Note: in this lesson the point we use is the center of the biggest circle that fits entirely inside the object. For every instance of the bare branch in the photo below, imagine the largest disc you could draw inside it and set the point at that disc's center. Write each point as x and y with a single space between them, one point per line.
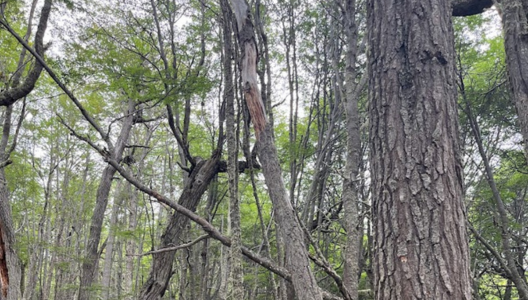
175 248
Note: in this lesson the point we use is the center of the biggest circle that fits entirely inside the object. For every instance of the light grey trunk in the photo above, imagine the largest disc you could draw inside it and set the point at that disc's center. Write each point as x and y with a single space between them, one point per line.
90 262
109 252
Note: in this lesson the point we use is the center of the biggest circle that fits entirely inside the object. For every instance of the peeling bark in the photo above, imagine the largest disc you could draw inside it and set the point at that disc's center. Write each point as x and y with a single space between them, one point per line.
420 240
296 254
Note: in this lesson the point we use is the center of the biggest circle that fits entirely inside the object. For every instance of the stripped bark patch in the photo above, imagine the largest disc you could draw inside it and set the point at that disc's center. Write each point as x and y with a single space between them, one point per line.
4 273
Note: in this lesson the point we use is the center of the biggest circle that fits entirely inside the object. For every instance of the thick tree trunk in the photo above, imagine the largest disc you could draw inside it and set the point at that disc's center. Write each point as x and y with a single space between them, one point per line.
297 261
420 240
514 15
89 265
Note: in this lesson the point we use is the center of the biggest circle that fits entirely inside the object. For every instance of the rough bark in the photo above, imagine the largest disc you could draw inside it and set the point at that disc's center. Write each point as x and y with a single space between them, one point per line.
89 265
420 240
514 15
296 254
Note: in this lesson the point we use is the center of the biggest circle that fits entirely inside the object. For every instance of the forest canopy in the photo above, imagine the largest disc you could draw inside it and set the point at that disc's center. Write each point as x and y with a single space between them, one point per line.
194 149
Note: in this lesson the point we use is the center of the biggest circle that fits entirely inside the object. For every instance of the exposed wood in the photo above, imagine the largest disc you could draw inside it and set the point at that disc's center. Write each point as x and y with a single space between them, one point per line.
296 254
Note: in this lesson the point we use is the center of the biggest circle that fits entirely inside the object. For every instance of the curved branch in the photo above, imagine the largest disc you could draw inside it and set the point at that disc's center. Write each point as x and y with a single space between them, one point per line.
463 8
10 96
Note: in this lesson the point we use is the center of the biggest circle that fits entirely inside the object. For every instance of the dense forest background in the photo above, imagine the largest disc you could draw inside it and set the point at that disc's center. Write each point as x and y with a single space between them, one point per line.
151 119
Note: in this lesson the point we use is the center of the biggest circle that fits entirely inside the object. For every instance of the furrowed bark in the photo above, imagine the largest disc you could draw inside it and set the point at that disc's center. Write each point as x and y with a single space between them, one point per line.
296 254
420 240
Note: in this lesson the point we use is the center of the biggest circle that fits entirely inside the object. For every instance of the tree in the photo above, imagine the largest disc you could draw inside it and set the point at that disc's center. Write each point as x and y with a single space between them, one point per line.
420 240
10 274
514 14
297 261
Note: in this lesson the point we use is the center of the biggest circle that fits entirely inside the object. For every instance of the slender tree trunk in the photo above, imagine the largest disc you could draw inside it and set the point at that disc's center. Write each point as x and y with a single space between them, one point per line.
297 261
514 15
89 265
109 252
236 271
420 240
353 158
161 269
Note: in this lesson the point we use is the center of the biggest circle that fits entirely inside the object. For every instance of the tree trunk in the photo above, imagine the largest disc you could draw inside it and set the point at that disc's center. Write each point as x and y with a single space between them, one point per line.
297 261
161 269
106 279
236 271
515 27
89 264
350 196
10 272
420 240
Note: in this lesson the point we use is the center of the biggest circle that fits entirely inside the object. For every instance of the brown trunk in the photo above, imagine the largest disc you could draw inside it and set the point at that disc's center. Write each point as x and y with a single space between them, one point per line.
515 27
420 240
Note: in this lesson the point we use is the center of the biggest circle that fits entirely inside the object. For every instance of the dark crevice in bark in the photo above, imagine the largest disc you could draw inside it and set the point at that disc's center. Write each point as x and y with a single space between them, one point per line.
463 8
